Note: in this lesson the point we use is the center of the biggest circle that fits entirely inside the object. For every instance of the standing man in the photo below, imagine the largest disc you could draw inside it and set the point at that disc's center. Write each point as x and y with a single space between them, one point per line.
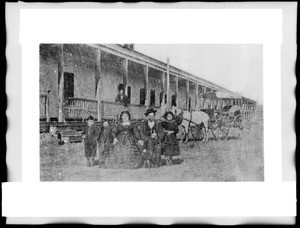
152 135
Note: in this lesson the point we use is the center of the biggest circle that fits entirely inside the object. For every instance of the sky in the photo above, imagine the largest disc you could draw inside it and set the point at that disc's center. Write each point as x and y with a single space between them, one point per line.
237 67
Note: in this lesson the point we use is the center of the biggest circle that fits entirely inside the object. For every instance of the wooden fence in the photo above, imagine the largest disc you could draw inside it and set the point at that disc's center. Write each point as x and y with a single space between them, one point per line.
79 108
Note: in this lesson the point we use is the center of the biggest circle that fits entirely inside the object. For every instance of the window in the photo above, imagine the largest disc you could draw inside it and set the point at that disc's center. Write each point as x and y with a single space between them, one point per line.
189 103
129 93
200 90
160 97
173 103
152 97
142 96
68 85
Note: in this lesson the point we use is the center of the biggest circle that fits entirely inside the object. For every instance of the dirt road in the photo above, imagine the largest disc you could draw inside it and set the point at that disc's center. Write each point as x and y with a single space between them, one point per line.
230 160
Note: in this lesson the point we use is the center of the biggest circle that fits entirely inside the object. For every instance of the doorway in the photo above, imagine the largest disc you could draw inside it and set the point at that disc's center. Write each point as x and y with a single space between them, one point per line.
68 85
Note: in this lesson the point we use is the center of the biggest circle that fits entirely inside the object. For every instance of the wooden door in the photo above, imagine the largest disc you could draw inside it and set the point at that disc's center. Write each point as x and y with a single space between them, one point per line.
68 85
129 93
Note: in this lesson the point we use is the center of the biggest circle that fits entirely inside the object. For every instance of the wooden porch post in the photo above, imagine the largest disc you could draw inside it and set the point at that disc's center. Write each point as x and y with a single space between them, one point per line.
187 93
197 97
176 89
99 85
61 117
163 87
168 84
48 107
204 89
147 98
125 76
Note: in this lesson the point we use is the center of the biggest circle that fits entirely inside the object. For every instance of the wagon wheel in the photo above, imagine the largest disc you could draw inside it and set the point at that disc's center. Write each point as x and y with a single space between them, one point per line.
238 121
246 127
198 132
220 128
242 124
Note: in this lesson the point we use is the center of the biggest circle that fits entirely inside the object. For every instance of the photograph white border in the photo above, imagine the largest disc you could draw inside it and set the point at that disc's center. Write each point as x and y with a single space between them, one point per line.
273 197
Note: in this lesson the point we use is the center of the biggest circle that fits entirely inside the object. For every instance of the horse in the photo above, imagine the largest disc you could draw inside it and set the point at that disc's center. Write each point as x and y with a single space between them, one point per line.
193 118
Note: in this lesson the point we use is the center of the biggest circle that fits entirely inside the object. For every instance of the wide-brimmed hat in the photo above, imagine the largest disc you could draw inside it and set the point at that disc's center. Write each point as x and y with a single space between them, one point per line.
150 110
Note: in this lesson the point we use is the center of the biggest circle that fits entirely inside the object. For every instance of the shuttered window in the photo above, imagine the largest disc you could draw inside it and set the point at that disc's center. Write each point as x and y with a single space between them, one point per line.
142 96
152 97
129 93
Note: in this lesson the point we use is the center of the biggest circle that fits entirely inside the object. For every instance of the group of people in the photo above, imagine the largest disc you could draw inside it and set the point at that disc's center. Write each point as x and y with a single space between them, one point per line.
131 145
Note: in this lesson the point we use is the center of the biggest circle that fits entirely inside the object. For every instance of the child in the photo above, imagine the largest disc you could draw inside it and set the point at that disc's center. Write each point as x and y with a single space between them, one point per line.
105 144
171 147
91 137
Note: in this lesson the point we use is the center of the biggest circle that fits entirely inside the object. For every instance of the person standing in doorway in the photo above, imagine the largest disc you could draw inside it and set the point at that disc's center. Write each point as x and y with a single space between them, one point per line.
121 97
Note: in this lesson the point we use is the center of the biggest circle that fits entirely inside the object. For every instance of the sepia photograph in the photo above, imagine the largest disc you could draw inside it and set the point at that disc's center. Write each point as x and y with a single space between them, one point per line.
151 112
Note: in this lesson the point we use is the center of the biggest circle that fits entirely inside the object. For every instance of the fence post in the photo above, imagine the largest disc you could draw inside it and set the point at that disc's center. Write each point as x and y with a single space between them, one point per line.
47 107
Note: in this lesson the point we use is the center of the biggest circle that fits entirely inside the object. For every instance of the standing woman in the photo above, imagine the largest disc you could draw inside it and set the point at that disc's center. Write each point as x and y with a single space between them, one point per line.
171 143
125 152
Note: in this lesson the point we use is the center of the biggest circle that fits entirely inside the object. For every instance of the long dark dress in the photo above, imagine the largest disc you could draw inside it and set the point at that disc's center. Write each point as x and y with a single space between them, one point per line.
171 147
92 134
125 154
106 144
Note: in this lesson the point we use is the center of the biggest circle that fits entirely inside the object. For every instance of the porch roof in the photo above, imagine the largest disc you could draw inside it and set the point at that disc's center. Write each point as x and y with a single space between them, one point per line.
221 95
141 58
228 95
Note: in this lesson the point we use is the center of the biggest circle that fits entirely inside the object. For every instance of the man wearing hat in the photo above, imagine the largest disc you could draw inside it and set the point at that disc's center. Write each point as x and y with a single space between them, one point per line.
152 135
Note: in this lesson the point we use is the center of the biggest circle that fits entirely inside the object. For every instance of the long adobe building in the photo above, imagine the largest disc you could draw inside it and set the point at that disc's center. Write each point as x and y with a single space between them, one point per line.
77 80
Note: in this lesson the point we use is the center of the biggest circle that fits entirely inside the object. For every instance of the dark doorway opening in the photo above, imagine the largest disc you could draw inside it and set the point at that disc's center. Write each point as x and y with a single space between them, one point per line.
68 85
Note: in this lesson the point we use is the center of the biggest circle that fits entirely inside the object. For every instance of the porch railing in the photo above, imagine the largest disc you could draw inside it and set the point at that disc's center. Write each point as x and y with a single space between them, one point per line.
80 108
248 112
43 104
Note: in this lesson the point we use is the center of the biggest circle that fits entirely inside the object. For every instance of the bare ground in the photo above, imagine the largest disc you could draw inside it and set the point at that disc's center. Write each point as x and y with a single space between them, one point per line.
235 159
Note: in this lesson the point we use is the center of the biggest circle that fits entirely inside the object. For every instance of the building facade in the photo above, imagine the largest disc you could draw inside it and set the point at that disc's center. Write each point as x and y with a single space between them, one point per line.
77 80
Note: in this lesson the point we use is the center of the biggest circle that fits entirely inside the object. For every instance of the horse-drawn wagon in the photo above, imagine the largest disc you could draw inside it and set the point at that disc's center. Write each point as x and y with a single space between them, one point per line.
224 112
227 118
227 114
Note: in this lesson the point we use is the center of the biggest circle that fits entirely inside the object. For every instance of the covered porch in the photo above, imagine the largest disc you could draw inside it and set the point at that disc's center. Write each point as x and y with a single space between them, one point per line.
87 79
